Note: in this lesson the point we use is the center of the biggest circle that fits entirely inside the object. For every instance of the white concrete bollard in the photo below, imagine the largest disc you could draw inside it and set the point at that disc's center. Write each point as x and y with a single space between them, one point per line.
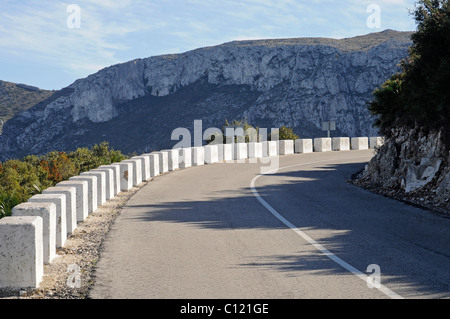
198 156
360 143
101 184
219 152
376 141
240 151
286 147
322 144
211 154
227 152
304 146
137 170
91 190
145 165
173 159
255 150
340 143
71 205
185 157
154 164
61 213
270 148
81 197
126 176
116 177
108 185
22 252
47 211
163 158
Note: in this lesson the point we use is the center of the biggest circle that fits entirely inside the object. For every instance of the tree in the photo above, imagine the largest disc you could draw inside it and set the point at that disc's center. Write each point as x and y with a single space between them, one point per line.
420 94
287 133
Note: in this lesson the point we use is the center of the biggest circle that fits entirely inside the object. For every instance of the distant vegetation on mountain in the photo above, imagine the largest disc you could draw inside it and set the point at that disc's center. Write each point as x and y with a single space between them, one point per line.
15 98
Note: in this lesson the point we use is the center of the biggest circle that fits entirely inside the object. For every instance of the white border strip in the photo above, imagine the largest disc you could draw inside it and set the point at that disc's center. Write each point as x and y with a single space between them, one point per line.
316 245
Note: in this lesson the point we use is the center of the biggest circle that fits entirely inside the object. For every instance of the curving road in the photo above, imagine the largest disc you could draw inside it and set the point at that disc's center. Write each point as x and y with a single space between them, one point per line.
224 231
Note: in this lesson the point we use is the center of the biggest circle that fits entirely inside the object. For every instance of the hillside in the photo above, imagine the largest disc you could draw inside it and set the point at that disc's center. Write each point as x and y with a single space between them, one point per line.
136 105
15 98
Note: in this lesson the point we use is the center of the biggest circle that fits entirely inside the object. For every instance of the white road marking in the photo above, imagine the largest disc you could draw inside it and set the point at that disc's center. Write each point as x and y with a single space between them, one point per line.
316 245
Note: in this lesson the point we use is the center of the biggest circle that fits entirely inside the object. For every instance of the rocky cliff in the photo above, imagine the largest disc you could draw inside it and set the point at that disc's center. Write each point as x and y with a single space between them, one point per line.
136 105
413 166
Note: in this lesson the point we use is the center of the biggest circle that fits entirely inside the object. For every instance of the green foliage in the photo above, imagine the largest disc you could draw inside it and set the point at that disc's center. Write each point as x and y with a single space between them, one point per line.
85 159
287 133
252 133
21 179
387 103
7 202
284 133
421 93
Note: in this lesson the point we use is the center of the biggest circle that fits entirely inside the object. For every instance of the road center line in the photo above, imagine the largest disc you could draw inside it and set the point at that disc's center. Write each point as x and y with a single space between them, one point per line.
303 235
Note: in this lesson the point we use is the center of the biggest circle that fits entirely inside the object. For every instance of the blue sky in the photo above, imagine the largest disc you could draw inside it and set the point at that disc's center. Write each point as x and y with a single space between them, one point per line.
39 45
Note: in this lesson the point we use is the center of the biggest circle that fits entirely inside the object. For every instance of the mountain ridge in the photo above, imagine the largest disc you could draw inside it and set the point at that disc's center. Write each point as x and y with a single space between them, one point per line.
16 97
274 84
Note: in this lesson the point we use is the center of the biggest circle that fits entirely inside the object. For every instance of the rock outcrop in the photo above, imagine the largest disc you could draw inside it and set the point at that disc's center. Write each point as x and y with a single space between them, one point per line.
293 82
412 165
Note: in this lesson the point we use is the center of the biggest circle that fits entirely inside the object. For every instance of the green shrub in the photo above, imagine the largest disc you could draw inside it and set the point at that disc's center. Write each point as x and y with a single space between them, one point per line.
21 179
284 133
7 202
420 94
287 133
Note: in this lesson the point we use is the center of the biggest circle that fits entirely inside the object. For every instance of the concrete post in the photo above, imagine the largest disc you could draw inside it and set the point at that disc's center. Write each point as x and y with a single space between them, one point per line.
211 154
22 251
198 156
163 158
173 159
286 147
240 151
360 143
145 164
116 176
47 211
125 176
137 170
322 144
101 184
340 143
81 197
376 141
61 213
255 150
71 204
304 146
228 152
185 157
91 190
270 148
154 164
109 182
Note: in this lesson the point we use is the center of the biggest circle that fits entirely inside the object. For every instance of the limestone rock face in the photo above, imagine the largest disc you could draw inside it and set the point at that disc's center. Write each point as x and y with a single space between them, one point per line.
293 82
413 162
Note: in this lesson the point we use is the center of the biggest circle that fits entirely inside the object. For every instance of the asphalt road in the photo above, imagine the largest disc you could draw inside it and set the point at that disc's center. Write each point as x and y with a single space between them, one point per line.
225 231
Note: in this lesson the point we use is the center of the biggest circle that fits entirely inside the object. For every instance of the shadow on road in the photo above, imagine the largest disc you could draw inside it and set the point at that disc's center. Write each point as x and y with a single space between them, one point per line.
411 246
